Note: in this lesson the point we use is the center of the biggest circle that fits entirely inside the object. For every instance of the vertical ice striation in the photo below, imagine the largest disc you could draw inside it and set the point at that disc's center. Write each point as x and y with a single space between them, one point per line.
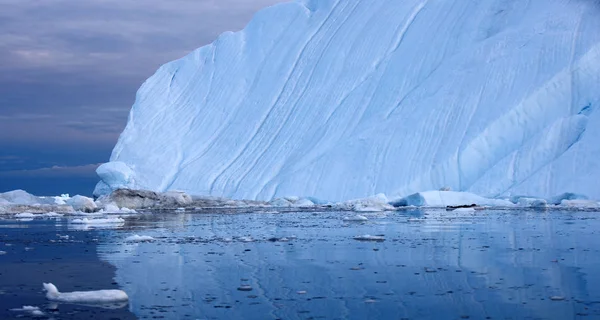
341 99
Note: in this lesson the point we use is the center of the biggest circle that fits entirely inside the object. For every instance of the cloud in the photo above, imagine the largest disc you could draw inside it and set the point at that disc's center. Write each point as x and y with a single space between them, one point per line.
83 171
70 70
112 37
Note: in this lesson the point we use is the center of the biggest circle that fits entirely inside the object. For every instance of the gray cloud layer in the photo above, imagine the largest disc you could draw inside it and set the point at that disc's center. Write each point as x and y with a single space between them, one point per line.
70 69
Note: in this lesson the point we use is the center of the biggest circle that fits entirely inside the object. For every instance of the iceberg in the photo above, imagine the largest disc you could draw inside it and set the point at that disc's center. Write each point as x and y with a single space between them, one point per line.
344 99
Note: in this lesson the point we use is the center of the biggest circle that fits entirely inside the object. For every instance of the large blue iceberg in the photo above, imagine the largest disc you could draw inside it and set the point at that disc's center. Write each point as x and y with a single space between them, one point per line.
342 99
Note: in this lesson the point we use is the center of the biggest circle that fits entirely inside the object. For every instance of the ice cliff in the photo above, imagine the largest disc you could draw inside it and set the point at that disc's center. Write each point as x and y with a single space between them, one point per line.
342 99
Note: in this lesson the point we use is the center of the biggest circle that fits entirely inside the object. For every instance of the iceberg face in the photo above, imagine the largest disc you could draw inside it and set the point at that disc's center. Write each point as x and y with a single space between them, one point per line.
344 99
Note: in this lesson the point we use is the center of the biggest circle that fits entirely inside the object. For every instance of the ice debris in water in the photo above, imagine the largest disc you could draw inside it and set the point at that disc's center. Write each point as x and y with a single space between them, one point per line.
24 215
464 210
99 296
29 309
246 239
368 237
356 218
2 253
138 238
113 208
116 220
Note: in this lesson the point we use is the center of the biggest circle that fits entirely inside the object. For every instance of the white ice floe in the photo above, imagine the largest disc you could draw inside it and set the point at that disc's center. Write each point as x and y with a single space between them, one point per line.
291 201
357 218
464 210
2 253
448 198
24 215
33 310
368 237
246 239
113 208
376 203
528 202
138 238
81 203
99 296
99 221
585 204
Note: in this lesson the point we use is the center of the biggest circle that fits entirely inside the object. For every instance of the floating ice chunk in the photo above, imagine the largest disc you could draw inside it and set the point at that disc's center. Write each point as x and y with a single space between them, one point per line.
138 238
113 208
24 215
81 203
532 202
356 218
29 309
52 215
556 200
2 253
448 198
464 210
376 203
116 220
100 296
303 203
280 203
368 237
580 203
246 239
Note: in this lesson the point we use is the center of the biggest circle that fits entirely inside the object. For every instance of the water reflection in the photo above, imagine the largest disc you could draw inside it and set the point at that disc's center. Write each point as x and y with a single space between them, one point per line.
435 264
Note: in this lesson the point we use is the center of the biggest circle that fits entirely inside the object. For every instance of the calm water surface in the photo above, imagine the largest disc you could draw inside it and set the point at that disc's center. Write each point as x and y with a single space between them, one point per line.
431 265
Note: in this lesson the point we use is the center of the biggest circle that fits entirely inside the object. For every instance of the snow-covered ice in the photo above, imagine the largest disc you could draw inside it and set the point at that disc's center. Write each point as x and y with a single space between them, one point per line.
99 296
345 99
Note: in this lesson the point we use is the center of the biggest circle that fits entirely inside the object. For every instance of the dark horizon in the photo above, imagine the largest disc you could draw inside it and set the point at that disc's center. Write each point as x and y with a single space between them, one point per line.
70 72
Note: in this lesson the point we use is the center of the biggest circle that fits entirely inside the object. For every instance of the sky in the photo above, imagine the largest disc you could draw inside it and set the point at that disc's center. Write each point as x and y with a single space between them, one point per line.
69 71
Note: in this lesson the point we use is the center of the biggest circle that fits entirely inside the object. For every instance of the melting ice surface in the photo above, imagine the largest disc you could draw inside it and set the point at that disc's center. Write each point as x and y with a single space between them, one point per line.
412 264
345 99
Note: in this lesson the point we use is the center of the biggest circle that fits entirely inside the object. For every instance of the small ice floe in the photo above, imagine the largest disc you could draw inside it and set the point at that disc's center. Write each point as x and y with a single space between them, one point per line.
368 237
52 215
180 210
464 210
580 204
32 310
25 215
100 221
2 253
113 208
244 288
99 296
357 218
557 298
246 239
138 238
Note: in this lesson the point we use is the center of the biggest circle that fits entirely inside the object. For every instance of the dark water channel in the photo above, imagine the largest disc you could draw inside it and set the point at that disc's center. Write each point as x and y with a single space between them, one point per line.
307 265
